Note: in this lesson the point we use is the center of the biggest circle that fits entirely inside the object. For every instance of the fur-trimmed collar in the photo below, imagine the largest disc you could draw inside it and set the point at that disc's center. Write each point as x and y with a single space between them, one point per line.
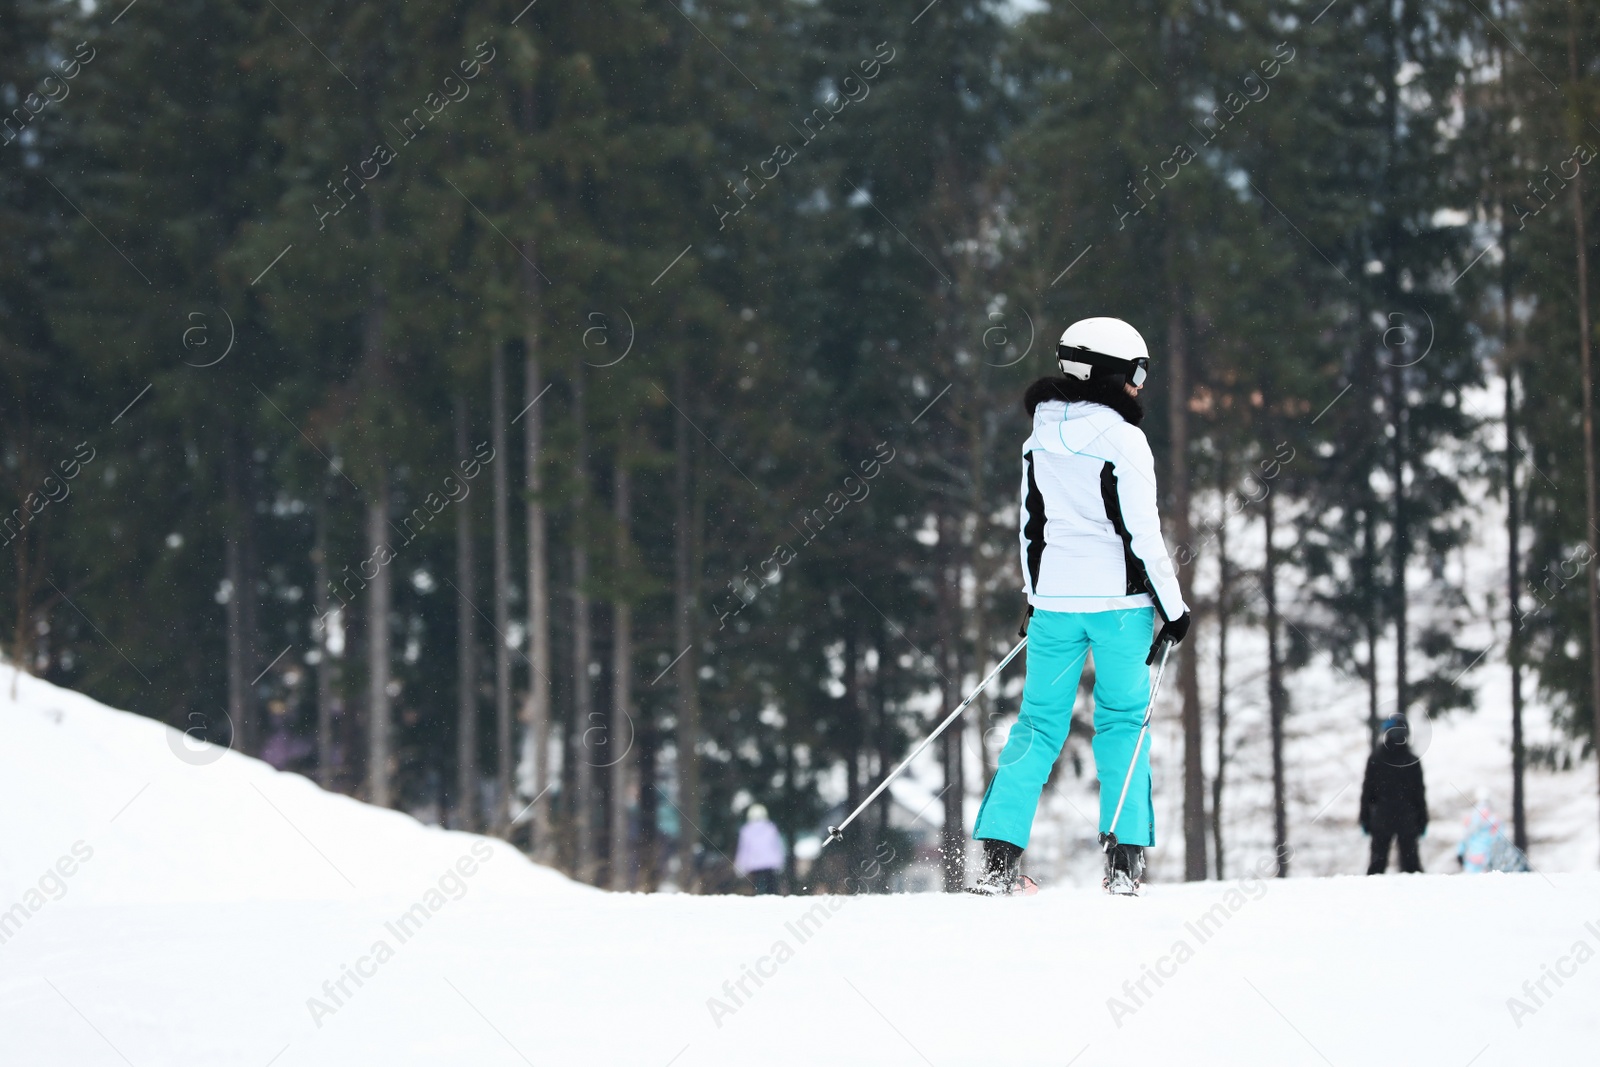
1105 391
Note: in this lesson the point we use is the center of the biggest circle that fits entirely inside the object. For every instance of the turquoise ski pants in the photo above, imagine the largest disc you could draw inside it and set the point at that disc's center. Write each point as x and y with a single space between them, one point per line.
1058 643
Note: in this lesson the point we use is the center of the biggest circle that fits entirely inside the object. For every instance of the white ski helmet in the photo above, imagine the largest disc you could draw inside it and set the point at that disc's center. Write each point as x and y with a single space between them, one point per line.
1102 347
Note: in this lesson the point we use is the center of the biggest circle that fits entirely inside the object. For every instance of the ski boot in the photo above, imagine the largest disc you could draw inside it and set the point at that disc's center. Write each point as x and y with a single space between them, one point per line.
1124 867
1002 872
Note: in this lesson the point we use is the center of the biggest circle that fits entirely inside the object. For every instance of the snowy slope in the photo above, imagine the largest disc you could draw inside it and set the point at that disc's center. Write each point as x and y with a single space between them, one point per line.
229 915
171 820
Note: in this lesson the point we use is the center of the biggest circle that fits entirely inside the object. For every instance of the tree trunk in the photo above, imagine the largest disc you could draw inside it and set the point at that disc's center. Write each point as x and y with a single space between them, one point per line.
1194 780
1592 512
320 631
855 735
1224 608
375 382
466 648
649 846
880 725
251 728
22 633
1275 693
982 644
1402 535
537 708
953 837
23 630
684 555
378 601
1401 546
1519 821
584 751
790 804
233 569
538 703
623 731
503 811
1369 568
1367 386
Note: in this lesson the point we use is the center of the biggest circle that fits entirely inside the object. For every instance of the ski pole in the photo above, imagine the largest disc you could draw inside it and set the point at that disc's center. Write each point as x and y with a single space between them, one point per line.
836 833
1108 840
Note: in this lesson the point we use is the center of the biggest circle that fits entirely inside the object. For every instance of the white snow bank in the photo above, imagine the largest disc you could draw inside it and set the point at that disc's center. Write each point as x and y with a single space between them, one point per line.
137 812
1403 971
232 916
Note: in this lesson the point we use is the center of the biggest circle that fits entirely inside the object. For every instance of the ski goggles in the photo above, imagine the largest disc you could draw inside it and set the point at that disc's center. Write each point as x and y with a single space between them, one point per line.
1084 363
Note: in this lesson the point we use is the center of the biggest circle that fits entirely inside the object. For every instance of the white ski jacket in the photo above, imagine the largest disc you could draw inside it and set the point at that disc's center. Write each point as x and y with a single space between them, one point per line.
1091 535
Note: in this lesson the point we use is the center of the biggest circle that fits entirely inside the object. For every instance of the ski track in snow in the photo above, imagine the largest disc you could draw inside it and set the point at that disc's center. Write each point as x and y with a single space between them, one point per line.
221 905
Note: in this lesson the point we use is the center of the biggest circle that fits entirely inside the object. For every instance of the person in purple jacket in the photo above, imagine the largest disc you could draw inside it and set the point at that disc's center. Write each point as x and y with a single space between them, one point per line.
760 853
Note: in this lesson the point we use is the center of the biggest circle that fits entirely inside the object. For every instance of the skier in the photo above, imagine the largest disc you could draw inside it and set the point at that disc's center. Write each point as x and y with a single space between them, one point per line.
1096 572
760 853
1394 801
1483 844
1478 841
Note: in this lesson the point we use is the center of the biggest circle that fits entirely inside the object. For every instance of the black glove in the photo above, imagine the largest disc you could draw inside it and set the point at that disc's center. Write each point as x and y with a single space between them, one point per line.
1171 633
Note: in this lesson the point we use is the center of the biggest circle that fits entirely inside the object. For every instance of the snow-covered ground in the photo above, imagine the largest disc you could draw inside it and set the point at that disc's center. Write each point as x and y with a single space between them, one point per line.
166 908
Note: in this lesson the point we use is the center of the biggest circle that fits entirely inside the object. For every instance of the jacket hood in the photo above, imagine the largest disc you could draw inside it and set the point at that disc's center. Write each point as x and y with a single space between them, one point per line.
1108 392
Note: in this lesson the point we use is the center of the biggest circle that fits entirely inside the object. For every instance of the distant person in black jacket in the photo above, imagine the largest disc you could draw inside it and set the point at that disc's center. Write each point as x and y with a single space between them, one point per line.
1394 804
